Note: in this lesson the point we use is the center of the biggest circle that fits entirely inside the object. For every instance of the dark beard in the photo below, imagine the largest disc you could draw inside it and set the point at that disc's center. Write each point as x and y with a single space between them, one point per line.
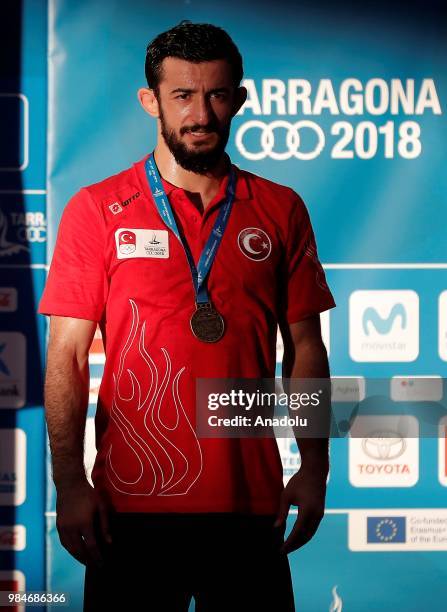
198 162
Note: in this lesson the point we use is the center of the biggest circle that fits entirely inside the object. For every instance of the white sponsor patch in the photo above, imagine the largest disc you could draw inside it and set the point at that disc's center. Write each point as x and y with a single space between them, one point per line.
132 242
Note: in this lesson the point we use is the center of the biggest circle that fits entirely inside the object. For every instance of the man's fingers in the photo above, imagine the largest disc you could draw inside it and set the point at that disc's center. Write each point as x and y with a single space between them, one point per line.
303 530
91 546
74 545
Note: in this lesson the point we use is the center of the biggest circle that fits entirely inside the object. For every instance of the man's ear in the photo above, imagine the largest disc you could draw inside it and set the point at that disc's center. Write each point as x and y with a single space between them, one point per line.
148 101
240 96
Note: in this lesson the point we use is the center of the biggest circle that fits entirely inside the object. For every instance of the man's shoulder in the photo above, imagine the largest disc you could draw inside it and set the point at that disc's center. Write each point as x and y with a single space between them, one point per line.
272 192
119 185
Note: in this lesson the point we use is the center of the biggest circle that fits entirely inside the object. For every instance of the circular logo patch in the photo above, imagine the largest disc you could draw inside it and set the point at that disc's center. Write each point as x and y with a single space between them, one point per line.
254 243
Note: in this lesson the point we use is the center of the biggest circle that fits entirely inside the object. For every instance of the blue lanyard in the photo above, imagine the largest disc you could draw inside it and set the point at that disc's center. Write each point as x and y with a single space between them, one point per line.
199 273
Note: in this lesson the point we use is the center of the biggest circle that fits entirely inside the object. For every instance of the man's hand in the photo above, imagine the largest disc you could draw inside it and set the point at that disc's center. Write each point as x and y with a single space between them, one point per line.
82 522
307 490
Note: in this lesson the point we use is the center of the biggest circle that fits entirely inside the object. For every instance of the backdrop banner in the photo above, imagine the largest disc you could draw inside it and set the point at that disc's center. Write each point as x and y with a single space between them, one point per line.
345 105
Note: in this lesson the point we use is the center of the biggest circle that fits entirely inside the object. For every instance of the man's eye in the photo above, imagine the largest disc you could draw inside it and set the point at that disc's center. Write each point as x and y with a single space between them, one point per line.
182 96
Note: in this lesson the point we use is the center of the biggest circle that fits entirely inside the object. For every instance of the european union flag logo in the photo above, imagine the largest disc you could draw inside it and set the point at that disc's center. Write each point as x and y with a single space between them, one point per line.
386 529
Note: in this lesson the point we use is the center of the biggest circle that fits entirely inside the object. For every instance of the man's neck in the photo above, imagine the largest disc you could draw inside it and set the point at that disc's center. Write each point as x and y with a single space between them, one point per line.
201 188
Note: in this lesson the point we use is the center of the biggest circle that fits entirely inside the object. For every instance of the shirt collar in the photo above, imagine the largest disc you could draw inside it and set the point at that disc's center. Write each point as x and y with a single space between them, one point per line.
242 187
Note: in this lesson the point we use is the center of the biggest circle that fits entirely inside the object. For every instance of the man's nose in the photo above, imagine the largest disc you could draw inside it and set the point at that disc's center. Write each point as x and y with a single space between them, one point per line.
202 111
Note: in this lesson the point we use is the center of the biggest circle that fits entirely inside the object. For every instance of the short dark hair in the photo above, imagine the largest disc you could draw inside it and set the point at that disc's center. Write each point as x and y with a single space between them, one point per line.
193 42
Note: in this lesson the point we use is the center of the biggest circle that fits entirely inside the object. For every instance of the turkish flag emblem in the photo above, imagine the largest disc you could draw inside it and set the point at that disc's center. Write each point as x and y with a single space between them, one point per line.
127 242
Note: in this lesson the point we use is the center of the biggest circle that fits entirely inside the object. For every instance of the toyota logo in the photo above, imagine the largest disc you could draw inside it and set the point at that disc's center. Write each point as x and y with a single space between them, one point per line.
267 139
384 445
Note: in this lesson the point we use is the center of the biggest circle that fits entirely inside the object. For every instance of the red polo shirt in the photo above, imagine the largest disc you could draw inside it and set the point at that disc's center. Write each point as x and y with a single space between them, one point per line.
116 262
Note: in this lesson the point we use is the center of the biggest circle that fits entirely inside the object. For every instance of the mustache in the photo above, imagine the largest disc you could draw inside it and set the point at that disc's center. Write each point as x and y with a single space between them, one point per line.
206 129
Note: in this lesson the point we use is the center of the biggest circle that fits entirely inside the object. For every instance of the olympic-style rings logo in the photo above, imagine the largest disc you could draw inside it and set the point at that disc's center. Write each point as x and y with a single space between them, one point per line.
293 139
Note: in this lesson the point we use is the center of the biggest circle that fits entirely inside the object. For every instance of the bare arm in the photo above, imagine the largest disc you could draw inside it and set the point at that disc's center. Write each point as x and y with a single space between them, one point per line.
79 509
66 396
305 356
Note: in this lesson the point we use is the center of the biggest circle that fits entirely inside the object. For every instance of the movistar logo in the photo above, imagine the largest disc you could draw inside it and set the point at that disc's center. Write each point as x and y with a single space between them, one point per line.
383 324
158 192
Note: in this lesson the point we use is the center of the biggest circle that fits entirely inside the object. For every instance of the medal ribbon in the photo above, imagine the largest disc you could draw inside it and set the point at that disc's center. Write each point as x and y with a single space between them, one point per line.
199 273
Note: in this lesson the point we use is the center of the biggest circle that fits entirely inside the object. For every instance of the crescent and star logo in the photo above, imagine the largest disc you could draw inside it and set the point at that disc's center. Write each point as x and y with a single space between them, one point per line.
127 242
254 243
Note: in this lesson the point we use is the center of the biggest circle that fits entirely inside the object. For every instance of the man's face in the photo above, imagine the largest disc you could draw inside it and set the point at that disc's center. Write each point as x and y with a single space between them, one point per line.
196 105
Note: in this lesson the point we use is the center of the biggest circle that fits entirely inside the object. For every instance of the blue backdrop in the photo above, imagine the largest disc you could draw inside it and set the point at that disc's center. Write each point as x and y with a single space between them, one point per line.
346 105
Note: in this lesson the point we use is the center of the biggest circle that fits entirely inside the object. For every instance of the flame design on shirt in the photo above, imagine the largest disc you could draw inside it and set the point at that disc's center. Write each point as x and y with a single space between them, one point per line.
158 452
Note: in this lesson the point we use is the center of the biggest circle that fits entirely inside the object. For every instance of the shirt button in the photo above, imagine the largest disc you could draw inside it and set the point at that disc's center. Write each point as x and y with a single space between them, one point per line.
194 218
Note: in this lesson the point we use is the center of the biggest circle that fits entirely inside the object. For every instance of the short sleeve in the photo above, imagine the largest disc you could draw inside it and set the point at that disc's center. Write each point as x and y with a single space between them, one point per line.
77 282
307 290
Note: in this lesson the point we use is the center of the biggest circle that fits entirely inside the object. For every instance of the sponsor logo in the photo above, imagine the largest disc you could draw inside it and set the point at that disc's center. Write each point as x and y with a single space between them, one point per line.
254 243
115 208
416 388
348 389
384 446
384 325
397 529
384 457
118 206
386 529
134 242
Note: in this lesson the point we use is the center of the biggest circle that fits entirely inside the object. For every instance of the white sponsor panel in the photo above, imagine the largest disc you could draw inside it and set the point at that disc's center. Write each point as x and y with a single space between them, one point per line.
12 369
12 467
384 325
416 388
384 451
12 537
137 242
397 530
348 388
